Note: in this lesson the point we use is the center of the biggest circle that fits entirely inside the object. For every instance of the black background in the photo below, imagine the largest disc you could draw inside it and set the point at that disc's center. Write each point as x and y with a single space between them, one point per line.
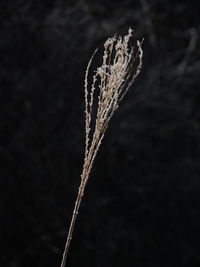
142 203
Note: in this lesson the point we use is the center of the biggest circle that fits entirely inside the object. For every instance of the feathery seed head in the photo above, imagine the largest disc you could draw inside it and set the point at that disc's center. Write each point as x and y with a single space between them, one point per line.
114 77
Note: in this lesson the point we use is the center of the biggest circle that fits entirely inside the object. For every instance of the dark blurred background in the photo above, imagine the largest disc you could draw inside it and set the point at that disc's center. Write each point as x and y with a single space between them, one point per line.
142 203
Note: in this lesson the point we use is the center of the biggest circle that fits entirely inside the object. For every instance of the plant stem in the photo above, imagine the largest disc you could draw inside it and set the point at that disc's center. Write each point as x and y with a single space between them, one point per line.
73 220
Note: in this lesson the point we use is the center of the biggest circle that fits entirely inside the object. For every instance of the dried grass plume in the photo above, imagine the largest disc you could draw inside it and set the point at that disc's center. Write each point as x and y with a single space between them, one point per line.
109 85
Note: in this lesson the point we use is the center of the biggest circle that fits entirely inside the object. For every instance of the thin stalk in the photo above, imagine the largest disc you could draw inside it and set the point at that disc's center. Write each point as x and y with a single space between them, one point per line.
73 220
84 177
